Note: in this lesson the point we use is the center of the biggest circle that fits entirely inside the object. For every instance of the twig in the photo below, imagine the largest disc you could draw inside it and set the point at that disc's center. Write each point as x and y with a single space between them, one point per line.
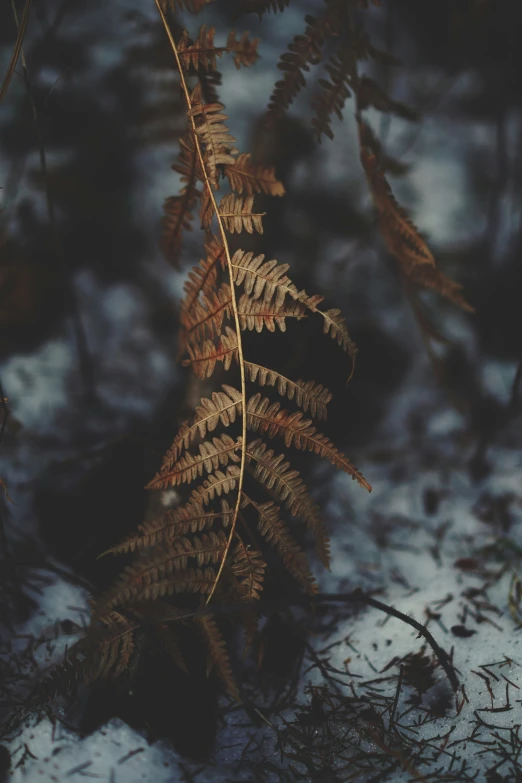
355 597
16 50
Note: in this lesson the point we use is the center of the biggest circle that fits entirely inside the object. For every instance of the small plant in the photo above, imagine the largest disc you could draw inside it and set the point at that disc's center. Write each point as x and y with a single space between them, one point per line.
214 550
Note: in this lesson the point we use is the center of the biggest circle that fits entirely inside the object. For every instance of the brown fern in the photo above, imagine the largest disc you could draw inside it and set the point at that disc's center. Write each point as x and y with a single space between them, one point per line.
201 54
237 214
245 177
401 236
209 546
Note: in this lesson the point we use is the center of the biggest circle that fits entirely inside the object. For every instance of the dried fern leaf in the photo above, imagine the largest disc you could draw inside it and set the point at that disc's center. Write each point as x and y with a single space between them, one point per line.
201 53
335 92
400 234
190 580
222 408
244 177
212 455
335 325
202 278
371 94
304 51
244 49
260 278
178 209
190 518
308 395
237 214
432 278
217 484
165 571
213 133
289 488
106 651
264 416
248 567
218 653
258 315
277 535
113 651
203 357
268 280
205 317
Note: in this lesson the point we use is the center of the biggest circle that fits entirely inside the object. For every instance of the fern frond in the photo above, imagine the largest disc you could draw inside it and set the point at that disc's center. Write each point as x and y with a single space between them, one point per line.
205 317
308 395
222 408
201 53
165 571
216 484
218 653
400 234
244 49
212 455
335 92
268 280
258 314
248 567
277 535
268 417
202 279
304 51
237 214
114 649
273 472
335 325
429 277
371 94
203 356
216 138
244 177
172 524
178 209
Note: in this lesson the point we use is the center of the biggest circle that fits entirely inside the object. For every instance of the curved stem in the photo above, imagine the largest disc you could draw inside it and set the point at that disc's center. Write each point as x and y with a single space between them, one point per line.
241 358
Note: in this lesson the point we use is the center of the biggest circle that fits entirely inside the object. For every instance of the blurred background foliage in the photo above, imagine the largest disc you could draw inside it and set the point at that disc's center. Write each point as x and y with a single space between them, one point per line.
99 106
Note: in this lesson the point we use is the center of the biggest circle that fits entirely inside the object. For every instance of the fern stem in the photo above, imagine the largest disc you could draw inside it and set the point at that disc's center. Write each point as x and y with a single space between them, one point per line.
241 358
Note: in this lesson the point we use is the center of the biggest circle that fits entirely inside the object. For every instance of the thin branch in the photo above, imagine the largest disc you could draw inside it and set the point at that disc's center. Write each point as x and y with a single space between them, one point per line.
355 597
16 51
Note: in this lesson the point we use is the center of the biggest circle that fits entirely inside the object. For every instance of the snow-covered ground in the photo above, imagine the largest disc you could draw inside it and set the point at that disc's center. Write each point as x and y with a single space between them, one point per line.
429 540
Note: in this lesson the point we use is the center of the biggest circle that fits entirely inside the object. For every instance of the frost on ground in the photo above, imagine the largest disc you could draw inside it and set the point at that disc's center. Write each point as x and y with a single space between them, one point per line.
372 701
